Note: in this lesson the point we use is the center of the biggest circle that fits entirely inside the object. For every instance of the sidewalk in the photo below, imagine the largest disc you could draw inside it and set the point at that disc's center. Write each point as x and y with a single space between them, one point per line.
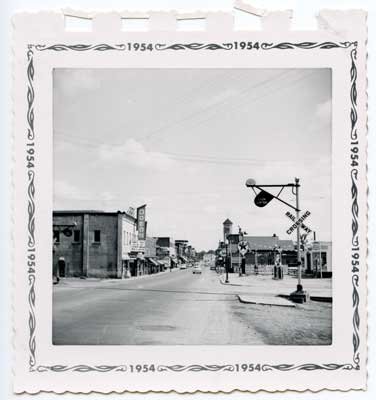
256 285
71 282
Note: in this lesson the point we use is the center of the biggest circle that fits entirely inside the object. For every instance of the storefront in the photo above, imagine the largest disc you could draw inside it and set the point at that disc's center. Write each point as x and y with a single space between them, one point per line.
152 265
182 260
319 259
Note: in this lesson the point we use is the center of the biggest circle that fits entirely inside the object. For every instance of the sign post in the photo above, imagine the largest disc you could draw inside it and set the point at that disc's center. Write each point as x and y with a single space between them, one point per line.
243 248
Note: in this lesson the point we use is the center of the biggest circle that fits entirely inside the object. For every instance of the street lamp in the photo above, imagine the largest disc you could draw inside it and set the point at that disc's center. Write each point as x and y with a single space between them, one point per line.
278 273
226 260
263 197
67 230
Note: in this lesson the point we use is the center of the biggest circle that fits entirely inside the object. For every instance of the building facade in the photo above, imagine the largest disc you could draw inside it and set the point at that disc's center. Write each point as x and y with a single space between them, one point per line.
318 259
100 244
166 251
152 266
92 249
263 251
181 247
209 259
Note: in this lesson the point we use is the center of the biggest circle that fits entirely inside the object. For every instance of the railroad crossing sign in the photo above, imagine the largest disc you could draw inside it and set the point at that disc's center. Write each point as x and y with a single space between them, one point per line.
298 222
243 247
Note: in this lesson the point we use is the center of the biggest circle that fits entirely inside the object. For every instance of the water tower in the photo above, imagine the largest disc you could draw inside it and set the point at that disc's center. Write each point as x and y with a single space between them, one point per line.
227 229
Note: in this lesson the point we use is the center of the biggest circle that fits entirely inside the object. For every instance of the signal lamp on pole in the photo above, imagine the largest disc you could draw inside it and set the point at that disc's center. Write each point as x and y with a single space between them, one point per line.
262 198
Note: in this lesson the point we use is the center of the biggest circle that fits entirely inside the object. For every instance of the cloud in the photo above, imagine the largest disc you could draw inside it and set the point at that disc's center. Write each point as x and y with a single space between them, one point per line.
67 195
134 153
65 190
107 196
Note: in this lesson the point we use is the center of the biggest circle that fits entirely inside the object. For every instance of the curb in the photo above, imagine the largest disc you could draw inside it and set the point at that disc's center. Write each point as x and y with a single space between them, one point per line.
322 299
293 305
65 281
131 278
222 281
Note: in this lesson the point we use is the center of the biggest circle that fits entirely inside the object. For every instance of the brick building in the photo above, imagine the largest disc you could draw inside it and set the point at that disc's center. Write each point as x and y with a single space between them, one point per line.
166 251
152 265
100 244
181 247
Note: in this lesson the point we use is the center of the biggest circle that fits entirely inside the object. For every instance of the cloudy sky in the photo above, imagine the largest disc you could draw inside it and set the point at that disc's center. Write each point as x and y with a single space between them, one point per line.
184 141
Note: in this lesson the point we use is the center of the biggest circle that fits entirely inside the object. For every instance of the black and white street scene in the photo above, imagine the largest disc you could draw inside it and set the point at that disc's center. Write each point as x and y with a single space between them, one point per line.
192 207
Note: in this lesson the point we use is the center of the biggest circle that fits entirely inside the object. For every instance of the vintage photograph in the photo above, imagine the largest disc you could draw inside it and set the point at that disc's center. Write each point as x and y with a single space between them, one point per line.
192 206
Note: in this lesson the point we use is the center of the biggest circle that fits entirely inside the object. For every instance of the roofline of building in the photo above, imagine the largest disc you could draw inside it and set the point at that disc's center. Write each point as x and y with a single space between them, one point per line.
92 212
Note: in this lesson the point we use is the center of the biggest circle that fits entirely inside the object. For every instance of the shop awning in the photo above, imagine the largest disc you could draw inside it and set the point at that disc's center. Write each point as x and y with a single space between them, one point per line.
154 262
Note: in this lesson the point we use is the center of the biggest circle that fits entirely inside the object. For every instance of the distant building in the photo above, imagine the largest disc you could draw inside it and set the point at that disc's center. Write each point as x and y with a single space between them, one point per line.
166 251
262 251
152 265
191 252
209 258
182 250
318 259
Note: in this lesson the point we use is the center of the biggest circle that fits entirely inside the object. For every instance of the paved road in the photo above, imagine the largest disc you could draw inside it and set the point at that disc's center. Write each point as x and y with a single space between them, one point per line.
179 308
171 308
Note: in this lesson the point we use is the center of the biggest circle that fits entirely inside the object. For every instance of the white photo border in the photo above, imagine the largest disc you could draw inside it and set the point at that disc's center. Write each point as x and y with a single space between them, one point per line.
31 156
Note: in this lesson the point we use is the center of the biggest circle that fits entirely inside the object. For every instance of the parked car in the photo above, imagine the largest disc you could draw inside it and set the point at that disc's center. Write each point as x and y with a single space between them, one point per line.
183 266
197 269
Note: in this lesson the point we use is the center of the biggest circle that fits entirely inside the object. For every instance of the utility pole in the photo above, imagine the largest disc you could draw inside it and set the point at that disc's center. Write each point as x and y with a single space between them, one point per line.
297 210
261 200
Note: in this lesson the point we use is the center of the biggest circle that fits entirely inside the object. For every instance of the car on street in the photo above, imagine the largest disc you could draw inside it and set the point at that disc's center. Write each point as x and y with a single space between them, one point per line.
197 269
183 266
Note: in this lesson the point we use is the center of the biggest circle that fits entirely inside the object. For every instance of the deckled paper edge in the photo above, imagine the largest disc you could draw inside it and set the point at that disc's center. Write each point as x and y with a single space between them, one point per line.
176 14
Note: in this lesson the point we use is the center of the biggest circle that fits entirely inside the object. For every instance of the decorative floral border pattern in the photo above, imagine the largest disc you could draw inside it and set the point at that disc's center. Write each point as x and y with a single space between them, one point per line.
195 368
31 244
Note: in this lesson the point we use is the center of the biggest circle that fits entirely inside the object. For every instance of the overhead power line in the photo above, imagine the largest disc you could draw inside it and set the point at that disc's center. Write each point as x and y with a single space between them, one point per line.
196 158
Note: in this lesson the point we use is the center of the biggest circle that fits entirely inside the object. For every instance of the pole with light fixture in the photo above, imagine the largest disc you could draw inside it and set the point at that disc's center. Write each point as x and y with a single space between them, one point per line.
226 259
263 197
67 230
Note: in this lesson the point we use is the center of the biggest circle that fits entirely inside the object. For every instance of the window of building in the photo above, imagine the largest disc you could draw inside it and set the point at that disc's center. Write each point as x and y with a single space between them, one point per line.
97 236
323 259
76 235
56 237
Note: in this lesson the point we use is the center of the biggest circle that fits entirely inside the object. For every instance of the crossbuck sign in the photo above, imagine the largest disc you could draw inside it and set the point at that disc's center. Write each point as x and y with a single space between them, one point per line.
243 247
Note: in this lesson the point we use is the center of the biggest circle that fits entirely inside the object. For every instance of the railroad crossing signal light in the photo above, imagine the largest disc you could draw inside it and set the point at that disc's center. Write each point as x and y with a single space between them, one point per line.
250 182
263 198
